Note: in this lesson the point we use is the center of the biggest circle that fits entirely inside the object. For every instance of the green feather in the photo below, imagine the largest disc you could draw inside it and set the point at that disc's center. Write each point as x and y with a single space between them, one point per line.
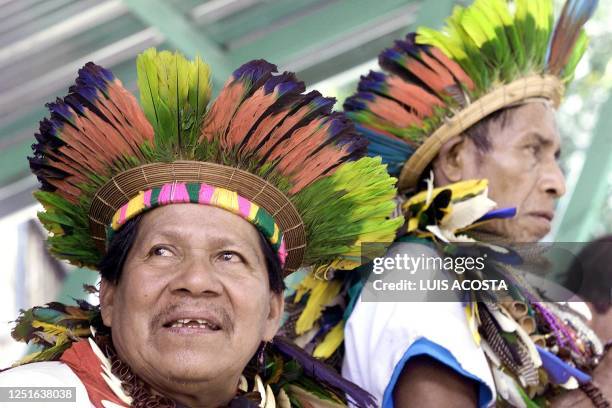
498 18
367 187
526 26
174 93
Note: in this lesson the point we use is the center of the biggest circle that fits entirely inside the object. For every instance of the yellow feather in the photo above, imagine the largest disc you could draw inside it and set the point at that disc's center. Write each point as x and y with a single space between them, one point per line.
305 286
321 295
331 342
49 328
62 333
459 191
471 312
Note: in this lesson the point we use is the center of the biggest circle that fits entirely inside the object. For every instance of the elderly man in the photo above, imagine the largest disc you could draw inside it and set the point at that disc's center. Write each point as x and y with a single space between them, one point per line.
191 294
460 113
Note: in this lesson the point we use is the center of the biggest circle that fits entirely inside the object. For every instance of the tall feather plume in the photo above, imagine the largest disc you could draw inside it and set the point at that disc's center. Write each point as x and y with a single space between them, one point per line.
568 38
261 122
261 133
174 93
323 144
364 189
461 44
267 102
413 63
498 19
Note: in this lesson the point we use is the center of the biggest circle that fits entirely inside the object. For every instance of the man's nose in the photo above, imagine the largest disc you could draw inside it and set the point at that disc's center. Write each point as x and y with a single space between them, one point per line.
553 179
196 276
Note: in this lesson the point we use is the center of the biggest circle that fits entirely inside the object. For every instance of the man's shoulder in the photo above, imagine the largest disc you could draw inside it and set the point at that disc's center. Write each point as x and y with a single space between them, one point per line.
45 374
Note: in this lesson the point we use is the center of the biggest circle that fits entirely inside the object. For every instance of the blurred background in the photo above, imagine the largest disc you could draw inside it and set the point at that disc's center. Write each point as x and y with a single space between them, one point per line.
328 43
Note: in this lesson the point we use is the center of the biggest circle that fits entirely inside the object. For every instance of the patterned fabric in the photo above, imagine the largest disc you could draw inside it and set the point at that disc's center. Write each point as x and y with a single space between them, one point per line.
200 193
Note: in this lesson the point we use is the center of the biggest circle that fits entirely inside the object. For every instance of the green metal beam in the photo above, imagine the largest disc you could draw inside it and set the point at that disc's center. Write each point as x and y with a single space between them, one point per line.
13 163
425 15
434 16
326 24
183 35
262 15
583 209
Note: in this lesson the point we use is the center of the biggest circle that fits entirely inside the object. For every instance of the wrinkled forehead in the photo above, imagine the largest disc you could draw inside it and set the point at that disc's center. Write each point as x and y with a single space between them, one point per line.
535 118
198 223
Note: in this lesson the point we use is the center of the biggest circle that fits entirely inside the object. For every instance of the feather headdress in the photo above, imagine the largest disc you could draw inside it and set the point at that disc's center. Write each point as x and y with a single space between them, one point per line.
490 55
263 149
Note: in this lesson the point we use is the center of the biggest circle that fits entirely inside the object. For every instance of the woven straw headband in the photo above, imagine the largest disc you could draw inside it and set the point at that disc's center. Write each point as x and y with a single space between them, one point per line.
242 193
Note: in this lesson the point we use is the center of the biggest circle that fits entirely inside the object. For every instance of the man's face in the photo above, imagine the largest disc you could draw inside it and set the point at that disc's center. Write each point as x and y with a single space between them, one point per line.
522 170
193 302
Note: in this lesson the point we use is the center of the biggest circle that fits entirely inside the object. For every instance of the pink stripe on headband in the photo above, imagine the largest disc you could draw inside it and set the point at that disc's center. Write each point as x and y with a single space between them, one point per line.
206 193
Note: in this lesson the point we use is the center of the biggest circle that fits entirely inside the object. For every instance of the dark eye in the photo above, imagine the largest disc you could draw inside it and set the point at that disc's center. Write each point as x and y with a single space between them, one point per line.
230 256
534 149
161 251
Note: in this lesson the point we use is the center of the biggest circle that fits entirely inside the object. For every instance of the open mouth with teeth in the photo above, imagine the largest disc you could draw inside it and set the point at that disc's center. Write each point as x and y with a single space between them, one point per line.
192 324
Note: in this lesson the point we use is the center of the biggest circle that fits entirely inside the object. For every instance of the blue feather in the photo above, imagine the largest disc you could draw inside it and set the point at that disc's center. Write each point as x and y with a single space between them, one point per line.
286 83
558 370
582 10
254 71
321 105
500 213
389 57
357 102
92 75
394 153
373 82
408 45
60 112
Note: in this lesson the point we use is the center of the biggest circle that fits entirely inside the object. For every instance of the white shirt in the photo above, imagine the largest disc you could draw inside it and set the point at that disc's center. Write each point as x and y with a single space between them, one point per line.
44 374
381 336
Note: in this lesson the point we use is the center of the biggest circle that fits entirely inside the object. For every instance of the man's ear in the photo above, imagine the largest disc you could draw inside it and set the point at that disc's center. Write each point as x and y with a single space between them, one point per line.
448 166
107 298
277 305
